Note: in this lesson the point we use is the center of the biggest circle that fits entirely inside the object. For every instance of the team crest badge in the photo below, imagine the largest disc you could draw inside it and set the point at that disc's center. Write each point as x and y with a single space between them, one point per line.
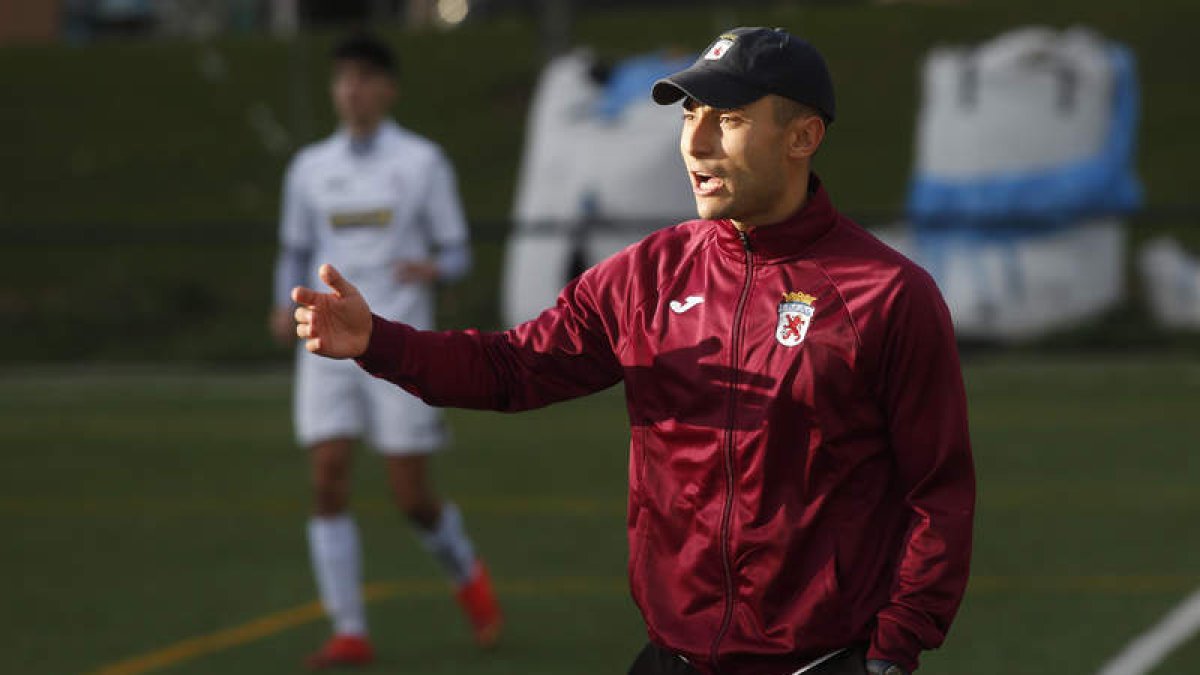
795 313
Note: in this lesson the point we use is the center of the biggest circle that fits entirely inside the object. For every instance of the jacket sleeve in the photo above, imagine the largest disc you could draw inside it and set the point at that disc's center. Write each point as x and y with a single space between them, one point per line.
565 352
446 222
296 237
925 402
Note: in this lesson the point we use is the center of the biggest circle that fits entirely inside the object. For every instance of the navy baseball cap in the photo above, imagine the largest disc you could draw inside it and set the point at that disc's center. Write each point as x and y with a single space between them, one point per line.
744 64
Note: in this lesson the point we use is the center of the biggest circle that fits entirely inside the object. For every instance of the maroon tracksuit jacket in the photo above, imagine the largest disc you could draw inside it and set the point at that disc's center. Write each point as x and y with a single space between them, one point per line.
800 473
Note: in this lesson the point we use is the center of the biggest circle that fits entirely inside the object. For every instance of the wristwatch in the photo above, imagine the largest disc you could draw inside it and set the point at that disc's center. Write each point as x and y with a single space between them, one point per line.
878 667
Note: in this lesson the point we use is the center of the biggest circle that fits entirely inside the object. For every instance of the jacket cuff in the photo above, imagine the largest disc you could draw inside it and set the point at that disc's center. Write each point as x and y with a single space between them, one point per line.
892 642
384 347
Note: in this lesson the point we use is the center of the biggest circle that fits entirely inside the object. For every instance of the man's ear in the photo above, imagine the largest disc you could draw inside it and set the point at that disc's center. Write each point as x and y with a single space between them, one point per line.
805 134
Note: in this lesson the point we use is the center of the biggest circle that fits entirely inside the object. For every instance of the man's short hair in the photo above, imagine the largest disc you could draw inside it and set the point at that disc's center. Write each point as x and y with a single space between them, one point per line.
367 49
787 110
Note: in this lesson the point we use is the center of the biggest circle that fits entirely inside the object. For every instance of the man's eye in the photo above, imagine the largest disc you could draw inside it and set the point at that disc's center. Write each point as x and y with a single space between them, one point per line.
729 120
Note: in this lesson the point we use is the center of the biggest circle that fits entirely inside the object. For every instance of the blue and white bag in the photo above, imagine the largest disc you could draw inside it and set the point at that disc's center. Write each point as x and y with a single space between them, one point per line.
1032 129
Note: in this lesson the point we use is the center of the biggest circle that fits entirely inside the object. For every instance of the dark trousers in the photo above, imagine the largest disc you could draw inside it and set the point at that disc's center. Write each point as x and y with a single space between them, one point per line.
654 660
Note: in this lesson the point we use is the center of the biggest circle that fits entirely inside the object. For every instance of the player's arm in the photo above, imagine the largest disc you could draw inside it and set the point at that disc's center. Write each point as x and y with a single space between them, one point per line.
290 267
294 258
926 406
443 215
564 353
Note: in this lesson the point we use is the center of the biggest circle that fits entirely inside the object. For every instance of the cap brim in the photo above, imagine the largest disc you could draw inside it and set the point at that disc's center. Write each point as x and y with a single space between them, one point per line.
706 85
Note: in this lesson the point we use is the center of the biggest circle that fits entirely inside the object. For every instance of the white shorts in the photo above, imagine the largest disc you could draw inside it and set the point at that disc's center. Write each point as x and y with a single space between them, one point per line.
337 399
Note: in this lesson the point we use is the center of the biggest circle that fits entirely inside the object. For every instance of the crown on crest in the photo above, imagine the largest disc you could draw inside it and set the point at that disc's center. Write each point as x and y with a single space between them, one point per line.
799 296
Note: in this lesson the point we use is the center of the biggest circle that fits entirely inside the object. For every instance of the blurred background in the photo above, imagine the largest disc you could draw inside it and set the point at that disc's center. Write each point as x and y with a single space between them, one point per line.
1038 158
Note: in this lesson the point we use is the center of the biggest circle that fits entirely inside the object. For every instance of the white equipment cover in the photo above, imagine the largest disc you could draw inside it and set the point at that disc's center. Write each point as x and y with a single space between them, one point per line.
1024 168
1013 290
1035 125
590 183
1172 282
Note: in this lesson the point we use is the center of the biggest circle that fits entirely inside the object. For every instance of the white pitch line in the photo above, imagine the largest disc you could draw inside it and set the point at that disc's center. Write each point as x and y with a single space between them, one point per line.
1152 647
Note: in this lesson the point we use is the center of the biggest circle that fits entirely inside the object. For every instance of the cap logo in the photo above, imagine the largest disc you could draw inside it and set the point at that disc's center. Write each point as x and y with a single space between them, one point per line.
718 49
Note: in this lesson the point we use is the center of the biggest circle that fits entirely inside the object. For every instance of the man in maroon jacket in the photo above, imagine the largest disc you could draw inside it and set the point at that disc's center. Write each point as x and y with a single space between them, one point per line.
801 484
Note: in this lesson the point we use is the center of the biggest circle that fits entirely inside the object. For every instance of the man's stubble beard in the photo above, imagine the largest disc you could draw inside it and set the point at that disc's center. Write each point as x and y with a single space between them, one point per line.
740 208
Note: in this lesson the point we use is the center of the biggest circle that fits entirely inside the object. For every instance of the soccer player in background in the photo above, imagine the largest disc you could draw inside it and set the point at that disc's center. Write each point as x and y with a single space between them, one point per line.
382 202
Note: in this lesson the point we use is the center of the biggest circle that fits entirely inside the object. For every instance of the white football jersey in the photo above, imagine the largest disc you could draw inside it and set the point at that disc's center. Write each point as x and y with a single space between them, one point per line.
367 206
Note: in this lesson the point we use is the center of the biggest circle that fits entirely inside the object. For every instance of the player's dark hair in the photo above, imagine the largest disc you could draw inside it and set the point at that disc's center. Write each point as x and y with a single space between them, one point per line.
368 49
787 110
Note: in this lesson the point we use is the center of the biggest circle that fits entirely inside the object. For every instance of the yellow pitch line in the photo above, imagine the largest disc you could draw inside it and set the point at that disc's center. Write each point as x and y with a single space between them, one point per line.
201 645
266 626
257 629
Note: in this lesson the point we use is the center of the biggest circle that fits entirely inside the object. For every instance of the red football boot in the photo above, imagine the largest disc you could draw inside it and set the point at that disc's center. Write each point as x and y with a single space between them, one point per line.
342 650
479 603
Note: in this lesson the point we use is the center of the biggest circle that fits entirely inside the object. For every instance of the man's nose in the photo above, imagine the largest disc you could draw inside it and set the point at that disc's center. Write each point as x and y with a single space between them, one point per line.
697 139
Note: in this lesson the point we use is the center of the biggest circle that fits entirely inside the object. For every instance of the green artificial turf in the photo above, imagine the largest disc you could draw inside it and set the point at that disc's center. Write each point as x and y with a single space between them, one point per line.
145 507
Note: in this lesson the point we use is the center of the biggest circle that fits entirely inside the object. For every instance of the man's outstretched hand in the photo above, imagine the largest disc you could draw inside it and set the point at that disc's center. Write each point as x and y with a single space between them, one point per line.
337 324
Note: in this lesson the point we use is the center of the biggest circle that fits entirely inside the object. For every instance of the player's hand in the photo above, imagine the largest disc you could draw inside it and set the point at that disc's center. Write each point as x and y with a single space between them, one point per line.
417 271
282 325
337 324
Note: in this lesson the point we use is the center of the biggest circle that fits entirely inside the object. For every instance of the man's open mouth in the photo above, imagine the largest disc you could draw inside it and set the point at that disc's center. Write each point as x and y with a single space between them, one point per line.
706 183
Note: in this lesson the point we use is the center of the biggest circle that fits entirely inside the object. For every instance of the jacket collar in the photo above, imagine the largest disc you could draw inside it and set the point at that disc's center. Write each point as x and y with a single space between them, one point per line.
785 239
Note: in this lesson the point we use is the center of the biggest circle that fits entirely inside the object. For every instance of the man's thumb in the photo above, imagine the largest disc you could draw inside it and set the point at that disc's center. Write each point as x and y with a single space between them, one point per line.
336 281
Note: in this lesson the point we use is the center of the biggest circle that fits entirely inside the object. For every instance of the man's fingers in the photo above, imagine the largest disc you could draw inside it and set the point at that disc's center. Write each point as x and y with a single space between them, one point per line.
305 296
303 315
336 281
313 345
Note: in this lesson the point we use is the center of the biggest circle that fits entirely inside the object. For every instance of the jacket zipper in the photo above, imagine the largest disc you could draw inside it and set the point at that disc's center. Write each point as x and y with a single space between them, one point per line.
730 478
